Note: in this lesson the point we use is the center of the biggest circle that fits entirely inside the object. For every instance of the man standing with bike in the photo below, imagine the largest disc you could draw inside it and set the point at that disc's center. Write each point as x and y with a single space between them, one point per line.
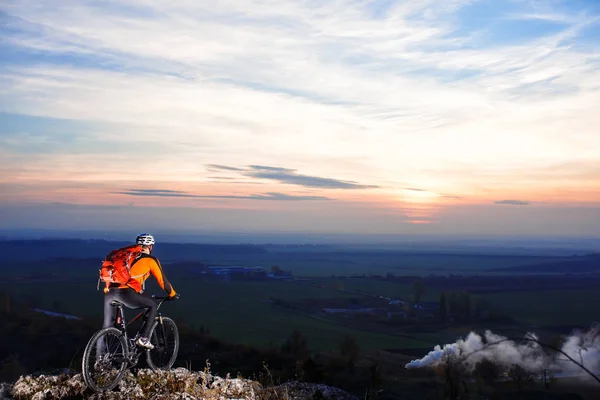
131 294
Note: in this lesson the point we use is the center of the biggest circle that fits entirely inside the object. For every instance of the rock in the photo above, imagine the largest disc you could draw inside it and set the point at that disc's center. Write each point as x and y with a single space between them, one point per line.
308 391
179 383
236 388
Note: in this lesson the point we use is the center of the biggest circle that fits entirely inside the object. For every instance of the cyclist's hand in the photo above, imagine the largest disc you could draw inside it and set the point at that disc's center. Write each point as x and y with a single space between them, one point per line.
175 297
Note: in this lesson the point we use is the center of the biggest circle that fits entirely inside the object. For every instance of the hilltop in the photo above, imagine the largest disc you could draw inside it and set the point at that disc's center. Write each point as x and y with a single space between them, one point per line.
179 383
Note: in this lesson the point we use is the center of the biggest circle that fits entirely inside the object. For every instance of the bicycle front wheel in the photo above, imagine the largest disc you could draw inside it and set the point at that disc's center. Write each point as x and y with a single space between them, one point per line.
105 359
165 339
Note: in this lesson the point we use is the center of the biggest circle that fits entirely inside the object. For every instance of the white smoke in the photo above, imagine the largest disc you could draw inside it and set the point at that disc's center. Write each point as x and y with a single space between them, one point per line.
584 347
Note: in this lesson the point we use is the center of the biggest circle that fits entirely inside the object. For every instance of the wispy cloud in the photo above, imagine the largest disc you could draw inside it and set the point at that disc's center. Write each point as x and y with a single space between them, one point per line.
513 202
175 193
290 176
432 194
271 169
156 193
273 196
217 167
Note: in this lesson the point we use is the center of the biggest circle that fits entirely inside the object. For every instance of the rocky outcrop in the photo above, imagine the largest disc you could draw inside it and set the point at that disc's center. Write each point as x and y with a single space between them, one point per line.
178 384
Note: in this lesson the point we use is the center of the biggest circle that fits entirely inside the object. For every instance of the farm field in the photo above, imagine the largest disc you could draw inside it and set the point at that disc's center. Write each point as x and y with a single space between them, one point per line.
551 308
238 311
387 289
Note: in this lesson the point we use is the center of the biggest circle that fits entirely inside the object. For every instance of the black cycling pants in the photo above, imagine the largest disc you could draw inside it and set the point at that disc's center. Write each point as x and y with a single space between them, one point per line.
131 299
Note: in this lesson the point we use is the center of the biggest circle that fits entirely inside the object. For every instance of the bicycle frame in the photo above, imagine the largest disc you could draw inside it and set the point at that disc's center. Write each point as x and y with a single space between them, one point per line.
121 324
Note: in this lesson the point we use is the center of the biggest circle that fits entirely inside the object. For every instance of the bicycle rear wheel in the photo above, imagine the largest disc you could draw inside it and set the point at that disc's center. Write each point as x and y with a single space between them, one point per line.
105 359
165 338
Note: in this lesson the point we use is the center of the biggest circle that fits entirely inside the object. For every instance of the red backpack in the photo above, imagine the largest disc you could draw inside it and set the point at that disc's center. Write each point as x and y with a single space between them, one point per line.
117 264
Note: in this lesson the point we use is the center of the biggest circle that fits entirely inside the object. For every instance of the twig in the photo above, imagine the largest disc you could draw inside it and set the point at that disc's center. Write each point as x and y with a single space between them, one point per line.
531 339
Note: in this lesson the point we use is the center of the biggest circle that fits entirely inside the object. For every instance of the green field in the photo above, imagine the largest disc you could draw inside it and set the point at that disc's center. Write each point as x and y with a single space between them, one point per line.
550 307
238 311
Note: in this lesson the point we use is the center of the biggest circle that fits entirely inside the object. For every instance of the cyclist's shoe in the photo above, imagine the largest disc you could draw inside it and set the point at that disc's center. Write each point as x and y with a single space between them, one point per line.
145 343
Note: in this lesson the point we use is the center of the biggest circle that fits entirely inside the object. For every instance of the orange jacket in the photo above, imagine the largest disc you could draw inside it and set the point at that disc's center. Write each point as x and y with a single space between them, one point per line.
141 270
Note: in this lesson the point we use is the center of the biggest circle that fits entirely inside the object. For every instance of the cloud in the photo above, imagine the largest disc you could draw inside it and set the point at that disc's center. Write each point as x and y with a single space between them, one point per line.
175 193
274 196
432 193
513 202
155 193
271 169
222 167
290 176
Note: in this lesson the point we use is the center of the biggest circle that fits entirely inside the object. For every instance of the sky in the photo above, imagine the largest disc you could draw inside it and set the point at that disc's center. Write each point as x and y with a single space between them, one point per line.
372 117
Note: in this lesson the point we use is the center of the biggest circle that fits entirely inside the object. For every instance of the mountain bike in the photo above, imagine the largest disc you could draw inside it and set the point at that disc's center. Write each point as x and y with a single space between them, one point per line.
110 352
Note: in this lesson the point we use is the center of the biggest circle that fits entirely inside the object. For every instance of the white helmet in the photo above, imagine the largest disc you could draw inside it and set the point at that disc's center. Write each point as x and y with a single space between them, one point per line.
145 239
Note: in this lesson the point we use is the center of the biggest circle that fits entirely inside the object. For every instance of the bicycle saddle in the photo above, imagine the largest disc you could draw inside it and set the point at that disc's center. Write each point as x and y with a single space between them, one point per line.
116 303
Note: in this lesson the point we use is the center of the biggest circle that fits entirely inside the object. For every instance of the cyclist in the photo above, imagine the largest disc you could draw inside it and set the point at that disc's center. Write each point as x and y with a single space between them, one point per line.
141 269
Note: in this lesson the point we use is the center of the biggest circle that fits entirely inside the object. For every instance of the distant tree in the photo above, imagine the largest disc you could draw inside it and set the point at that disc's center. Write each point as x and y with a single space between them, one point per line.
375 379
443 307
418 290
296 344
350 349
451 303
459 304
452 370
520 376
487 370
